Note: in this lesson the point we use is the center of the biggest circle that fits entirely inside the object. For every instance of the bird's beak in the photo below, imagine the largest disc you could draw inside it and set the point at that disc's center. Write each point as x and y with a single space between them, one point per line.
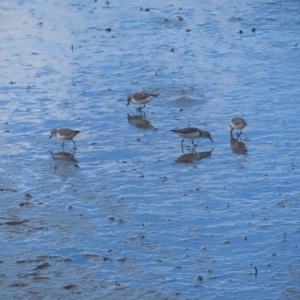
50 136
211 139
128 103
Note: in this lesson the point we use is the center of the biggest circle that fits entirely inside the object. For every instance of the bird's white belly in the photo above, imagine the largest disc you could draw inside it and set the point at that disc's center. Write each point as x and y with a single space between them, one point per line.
237 126
189 135
63 137
141 101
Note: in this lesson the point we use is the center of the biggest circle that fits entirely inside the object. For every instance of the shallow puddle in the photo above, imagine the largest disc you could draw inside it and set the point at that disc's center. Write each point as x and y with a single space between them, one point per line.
130 214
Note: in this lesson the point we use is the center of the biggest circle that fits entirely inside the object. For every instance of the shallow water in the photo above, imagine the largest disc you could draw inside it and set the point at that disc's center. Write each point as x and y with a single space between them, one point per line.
129 215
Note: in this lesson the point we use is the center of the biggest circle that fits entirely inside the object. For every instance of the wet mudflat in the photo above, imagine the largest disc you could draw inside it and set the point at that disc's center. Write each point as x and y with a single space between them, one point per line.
129 214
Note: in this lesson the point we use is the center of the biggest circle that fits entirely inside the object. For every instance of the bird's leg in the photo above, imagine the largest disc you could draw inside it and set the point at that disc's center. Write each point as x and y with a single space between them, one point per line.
139 109
182 142
193 143
63 144
74 144
231 131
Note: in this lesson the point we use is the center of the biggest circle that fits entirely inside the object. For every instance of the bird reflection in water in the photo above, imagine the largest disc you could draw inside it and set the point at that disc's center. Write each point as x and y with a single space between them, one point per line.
191 157
65 157
140 121
238 146
65 164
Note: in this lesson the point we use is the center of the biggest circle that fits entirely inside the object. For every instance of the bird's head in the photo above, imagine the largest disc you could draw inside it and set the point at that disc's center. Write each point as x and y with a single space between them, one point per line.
53 132
207 135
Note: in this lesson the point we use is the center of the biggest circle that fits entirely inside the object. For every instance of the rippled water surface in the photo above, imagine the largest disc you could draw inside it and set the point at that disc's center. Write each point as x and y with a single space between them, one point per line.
130 214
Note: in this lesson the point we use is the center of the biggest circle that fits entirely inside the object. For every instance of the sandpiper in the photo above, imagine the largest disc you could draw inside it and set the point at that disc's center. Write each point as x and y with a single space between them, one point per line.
238 124
140 98
192 133
64 134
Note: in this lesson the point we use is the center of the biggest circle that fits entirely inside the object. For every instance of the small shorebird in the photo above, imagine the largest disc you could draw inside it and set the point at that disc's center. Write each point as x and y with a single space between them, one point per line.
192 133
64 134
140 98
238 124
